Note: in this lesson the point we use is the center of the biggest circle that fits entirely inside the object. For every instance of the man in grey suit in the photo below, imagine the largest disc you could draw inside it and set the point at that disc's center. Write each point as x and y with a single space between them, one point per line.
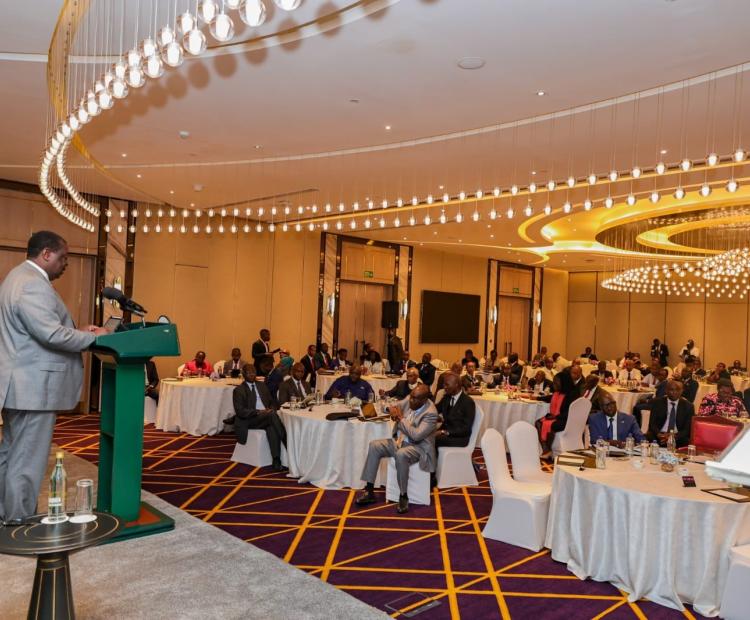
41 370
295 385
413 440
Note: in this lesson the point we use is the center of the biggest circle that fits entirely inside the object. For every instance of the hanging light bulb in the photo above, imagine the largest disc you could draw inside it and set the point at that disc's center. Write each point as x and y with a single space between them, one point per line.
679 193
571 182
591 179
186 22
368 223
442 219
528 210
382 222
352 224
685 165
587 204
430 199
712 159
661 168
339 225
83 115
630 199
551 185
135 76
462 195
287 5
532 187
252 12
567 207
654 197
397 222
148 48
475 216
609 202
399 202
427 221
613 175
105 100
207 10
119 88
493 214
739 155
705 190
412 220
222 27
635 172
194 42
171 54
92 106
732 186
446 197
514 189
133 58
459 217
153 67
479 194
232 4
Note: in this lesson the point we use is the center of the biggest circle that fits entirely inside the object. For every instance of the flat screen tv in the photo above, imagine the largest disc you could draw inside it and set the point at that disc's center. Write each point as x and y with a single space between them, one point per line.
449 317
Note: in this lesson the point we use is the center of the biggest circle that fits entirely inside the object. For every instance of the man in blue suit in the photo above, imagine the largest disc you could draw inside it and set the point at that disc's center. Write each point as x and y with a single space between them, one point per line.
611 425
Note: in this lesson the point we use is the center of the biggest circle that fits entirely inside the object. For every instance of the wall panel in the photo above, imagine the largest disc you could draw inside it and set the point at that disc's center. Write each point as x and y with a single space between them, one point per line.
612 324
580 328
726 333
647 321
555 311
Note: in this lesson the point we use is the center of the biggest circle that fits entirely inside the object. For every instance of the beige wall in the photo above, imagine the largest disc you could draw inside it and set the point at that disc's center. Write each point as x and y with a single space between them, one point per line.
221 290
441 271
612 322
554 310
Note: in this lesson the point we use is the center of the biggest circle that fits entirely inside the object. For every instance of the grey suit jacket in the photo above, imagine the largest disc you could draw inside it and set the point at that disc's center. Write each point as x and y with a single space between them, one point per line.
421 433
226 369
288 388
41 367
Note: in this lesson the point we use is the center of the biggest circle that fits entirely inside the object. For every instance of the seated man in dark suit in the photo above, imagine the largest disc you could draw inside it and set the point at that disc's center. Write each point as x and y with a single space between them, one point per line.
737 368
295 385
601 370
405 363
720 372
589 354
671 412
456 411
426 370
505 378
353 383
539 385
516 368
490 362
341 359
255 408
611 425
472 374
661 390
322 357
311 365
689 385
593 392
152 381
404 386
469 357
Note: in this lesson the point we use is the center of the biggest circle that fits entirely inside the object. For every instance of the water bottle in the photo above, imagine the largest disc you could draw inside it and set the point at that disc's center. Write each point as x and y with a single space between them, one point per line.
56 501
654 453
671 442
348 397
629 446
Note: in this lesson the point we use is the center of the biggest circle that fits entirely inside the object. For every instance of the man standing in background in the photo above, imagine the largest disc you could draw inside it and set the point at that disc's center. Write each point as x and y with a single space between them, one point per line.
41 370
395 349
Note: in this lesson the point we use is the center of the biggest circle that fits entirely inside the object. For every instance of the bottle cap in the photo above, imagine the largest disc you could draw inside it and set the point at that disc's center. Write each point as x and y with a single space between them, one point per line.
59 454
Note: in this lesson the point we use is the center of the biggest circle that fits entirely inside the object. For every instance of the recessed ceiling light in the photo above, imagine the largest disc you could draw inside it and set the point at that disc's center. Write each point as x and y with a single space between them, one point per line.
663 151
258 146
184 134
441 186
192 204
387 127
533 172
198 187
138 176
540 93
471 62
171 191
124 154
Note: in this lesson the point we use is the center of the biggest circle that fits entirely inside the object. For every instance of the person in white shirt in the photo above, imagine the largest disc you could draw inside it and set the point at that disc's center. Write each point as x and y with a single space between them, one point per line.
689 349
629 373
559 362
549 369
376 365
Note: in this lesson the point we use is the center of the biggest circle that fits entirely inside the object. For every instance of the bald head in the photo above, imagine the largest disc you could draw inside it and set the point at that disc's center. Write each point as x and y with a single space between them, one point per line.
418 396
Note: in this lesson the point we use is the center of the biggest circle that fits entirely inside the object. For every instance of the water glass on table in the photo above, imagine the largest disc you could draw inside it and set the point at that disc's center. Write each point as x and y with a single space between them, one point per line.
629 446
601 455
84 502
293 403
691 452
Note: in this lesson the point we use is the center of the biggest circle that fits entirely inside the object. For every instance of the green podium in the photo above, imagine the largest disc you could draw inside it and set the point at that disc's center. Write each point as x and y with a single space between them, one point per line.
123 355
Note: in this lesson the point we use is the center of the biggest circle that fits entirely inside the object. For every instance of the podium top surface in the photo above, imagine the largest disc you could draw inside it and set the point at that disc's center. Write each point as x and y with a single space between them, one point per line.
140 340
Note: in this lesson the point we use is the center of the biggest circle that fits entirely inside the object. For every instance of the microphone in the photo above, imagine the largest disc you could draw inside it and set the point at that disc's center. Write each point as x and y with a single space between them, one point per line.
127 304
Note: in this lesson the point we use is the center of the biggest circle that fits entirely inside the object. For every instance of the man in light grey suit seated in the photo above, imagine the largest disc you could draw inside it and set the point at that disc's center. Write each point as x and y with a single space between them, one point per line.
41 370
413 440
232 367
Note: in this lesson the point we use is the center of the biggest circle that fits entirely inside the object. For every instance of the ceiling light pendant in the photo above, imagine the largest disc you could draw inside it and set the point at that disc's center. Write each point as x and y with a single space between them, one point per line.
636 172
222 28
551 185
414 201
412 220
171 54
591 179
442 219
528 211
510 213
475 216
339 225
287 5
679 193
493 214
587 204
430 199
427 220
186 22
381 222
732 186
630 199
496 192
153 67
661 168
567 207
459 217
609 202
514 190
133 58
685 165
148 48
705 190
194 42
613 175
207 10
232 4
462 195
352 224
712 159
739 155
571 182
368 223
165 36
135 77
396 222
654 197
532 187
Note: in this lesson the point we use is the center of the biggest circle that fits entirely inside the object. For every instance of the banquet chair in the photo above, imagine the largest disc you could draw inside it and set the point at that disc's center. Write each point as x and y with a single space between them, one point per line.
149 410
256 451
180 368
219 366
418 487
734 600
571 438
455 467
519 509
713 432
523 444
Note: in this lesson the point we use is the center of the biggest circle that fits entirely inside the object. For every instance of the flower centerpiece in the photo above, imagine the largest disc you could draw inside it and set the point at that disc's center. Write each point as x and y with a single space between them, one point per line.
668 460
355 402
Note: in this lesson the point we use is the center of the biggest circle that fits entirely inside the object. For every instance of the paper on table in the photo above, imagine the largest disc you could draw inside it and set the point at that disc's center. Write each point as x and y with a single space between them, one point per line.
728 494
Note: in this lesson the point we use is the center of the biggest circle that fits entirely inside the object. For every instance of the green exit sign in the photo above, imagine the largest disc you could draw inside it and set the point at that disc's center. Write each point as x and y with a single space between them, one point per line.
369 274
516 289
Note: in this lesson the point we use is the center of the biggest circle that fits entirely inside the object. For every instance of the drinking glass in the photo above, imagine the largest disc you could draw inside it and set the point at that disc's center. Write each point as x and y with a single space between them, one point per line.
629 446
654 453
691 452
644 450
84 501
293 403
601 456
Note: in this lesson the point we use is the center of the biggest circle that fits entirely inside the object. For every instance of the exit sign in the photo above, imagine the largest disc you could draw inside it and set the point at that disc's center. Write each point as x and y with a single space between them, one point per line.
516 289
369 274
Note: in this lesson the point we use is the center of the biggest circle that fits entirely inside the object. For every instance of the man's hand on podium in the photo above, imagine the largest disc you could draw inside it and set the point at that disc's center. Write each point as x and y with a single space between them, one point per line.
96 330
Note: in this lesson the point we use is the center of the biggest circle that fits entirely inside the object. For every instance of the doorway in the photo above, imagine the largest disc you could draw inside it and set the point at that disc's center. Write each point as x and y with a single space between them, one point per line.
360 309
513 326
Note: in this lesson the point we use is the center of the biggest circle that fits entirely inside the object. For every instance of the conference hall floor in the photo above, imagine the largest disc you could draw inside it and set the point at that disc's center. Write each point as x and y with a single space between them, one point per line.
435 552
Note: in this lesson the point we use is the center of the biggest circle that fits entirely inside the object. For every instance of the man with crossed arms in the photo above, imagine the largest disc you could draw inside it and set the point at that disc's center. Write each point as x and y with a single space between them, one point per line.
413 440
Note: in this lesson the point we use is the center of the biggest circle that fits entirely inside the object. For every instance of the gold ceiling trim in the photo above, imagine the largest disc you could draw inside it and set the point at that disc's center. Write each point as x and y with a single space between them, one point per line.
661 237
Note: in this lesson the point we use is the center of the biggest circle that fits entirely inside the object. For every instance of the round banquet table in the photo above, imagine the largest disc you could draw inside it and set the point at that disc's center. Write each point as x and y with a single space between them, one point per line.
329 454
646 533
194 406
627 400
378 382
500 412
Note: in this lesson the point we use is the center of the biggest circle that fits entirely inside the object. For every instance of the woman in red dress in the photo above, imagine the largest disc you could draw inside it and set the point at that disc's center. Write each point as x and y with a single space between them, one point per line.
564 393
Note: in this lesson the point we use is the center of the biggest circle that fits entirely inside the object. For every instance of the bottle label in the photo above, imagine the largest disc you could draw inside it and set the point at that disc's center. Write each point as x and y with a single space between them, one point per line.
55 501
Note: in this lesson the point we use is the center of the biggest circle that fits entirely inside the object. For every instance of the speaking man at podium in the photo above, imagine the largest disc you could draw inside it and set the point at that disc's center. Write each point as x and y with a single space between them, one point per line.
41 370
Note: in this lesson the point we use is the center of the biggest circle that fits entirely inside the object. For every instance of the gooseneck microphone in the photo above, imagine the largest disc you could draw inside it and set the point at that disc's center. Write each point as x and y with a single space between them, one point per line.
127 304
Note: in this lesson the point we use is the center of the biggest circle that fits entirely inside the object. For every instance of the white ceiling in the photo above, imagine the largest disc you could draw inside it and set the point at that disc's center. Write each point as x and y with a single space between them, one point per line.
400 63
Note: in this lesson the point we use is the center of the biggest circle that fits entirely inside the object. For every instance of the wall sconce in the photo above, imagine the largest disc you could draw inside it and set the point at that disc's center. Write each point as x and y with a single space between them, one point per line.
403 309
492 315
538 317
331 305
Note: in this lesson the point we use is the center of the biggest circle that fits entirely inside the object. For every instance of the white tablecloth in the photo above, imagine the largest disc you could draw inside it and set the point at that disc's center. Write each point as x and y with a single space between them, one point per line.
646 533
194 406
626 400
378 382
500 413
329 454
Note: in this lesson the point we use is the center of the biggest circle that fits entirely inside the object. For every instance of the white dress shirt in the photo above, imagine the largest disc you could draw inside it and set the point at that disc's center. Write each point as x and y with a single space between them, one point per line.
259 406
632 375
300 387
665 426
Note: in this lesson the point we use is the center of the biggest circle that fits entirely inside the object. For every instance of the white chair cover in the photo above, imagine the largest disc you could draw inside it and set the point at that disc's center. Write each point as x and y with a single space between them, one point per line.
149 410
572 437
734 604
523 443
180 368
219 366
256 451
454 466
519 509
419 484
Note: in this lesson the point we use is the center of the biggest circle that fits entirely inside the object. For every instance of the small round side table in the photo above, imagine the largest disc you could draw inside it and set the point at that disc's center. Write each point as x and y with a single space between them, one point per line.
52 594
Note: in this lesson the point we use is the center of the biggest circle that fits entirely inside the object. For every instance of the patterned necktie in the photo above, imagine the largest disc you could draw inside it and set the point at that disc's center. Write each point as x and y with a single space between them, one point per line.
610 428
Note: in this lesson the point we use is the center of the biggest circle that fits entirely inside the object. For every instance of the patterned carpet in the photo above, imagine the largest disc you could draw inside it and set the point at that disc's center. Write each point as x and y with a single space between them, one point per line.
434 553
